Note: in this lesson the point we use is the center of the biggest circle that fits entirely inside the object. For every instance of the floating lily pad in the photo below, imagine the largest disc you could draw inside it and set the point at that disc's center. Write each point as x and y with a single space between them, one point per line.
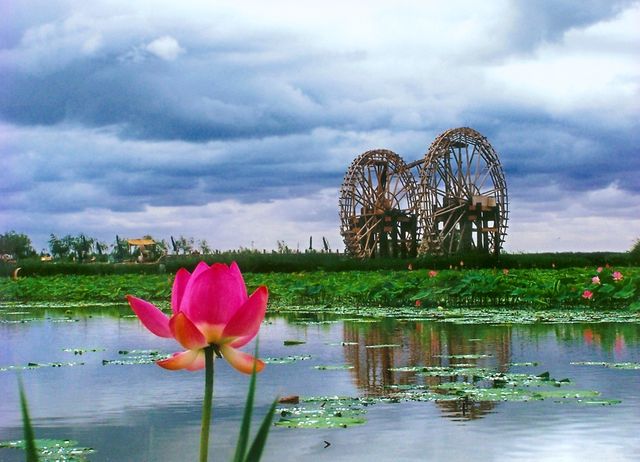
333 368
389 345
475 372
139 352
81 351
294 342
629 365
600 402
632 366
134 357
320 422
324 414
465 356
39 365
50 450
286 359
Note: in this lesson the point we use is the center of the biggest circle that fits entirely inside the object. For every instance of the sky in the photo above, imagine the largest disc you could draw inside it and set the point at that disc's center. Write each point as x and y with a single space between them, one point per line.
235 121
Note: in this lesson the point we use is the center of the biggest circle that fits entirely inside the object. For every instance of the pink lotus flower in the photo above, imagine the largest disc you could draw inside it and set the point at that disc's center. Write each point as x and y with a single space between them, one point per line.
595 280
587 294
599 270
210 307
505 271
418 303
617 276
433 273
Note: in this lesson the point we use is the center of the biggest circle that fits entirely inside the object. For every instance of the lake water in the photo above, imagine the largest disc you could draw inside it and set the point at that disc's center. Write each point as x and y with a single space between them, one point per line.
140 412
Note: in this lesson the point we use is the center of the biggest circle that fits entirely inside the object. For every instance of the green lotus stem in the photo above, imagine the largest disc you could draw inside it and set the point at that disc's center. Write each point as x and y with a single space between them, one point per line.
206 403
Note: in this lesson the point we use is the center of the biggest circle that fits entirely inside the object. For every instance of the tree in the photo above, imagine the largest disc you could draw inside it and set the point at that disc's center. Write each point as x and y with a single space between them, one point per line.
16 244
120 250
204 247
635 251
183 246
59 247
81 246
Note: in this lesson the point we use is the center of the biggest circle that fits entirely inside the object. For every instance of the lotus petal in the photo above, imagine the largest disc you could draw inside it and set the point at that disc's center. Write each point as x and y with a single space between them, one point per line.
213 295
198 363
186 332
181 360
240 360
244 325
151 316
179 286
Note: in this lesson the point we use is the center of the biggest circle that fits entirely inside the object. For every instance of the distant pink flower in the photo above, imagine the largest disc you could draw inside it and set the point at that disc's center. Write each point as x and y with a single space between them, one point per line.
587 294
619 345
617 276
410 267
595 280
505 271
210 307
599 270
418 303
433 273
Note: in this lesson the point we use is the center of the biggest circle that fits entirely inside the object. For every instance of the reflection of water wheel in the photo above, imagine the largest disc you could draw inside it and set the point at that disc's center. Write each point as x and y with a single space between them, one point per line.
464 194
378 206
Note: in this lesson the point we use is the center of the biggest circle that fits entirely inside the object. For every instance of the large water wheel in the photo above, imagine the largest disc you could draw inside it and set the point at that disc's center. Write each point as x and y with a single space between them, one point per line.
379 207
464 195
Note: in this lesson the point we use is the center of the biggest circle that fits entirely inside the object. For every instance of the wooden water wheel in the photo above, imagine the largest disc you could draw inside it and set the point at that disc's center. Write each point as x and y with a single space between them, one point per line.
379 206
464 194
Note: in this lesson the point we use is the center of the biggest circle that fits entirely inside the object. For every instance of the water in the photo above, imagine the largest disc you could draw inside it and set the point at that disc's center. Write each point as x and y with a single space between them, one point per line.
144 413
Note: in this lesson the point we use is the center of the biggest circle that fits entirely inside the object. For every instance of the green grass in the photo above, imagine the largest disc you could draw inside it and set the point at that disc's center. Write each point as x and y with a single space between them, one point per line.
256 262
541 288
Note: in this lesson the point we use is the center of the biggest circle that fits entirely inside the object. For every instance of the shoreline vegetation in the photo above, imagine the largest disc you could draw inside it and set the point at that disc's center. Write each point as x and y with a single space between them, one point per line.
600 286
290 262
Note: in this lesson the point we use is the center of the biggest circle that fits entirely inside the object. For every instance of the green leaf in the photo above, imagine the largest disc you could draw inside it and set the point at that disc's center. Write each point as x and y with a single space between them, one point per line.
257 447
255 452
30 445
243 437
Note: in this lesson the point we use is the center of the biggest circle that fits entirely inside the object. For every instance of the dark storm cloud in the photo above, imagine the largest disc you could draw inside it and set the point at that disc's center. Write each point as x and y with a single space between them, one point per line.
112 112
548 20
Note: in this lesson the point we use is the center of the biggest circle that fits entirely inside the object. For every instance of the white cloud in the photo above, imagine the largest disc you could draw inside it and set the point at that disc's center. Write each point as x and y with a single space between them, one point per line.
275 99
165 47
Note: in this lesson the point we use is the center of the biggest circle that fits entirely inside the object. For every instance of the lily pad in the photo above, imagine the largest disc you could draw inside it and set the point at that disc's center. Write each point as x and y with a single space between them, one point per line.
628 365
389 345
333 368
286 359
81 351
320 422
294 342
50 450
39 365
134 357
465 356
325 414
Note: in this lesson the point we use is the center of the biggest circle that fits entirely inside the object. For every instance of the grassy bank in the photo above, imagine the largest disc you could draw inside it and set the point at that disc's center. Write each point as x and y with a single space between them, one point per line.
286 263
427 288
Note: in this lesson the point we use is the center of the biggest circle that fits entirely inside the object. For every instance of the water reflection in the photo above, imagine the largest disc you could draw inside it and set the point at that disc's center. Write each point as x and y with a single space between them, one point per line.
423 344
99 405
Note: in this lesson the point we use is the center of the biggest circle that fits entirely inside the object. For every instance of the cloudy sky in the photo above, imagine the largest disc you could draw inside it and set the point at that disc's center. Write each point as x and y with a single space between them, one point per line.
235 121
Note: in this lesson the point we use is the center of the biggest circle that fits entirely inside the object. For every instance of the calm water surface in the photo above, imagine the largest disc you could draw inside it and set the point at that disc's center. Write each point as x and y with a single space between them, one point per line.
144 413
